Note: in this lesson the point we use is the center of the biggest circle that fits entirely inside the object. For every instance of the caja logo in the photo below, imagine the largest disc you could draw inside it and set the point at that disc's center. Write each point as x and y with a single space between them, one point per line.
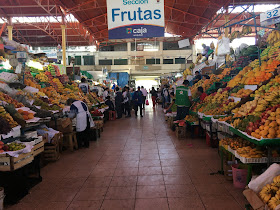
129 30
137 31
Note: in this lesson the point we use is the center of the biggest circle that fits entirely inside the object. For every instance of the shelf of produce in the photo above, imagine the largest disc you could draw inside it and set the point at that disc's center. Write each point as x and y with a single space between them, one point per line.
263 142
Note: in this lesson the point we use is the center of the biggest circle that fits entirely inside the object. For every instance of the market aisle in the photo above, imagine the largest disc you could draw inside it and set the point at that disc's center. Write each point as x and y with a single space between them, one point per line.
137 164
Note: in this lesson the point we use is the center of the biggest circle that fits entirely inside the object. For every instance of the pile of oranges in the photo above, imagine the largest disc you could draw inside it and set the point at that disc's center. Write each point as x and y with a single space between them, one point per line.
26 115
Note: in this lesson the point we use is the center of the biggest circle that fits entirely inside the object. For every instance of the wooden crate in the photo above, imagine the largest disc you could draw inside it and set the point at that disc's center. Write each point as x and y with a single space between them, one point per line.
181 132
38 148
8 163
51 152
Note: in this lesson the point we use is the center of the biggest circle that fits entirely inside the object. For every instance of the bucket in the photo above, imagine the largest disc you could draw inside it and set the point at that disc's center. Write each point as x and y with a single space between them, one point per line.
239 176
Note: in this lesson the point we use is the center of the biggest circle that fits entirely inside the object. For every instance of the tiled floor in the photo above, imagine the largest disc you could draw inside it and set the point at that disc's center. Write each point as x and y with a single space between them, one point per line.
137 164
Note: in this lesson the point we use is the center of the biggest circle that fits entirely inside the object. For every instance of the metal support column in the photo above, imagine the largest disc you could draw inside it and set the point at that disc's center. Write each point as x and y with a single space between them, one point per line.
10 32
63 27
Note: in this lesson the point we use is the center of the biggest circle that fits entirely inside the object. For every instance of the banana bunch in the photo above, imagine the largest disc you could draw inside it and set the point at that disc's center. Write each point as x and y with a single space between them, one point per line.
236 122
41 94
234 35
262 104
187 72
246 30
267 192
276 181
8 117
275 201
273 37
42 77
273 96
254 64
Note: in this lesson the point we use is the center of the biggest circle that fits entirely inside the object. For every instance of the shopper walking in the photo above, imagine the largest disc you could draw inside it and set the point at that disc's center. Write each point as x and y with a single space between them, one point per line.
84 87
80 110
154 96
138 101
126 102
166 96
183 100
145 93
118 103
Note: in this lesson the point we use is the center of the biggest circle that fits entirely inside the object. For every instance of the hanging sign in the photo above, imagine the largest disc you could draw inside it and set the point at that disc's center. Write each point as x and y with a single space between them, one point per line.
270 17
135 18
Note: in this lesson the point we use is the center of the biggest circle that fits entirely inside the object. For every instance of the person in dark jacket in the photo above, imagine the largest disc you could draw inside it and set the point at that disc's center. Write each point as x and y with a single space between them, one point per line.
110 104
118 103
138 101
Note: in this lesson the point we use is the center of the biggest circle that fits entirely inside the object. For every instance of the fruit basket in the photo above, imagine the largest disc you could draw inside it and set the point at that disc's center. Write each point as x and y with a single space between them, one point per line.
8 163
259 142
250 160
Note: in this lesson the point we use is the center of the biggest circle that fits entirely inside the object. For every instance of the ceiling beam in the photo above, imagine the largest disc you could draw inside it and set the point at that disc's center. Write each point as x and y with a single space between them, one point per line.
79 5
25 6
22 37
92 19
187 13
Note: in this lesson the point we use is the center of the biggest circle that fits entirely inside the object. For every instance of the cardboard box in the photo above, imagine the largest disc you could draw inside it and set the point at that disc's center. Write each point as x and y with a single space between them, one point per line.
254 200
64 125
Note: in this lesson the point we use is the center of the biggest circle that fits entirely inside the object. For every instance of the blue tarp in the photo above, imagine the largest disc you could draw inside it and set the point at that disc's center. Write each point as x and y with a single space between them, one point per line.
121 77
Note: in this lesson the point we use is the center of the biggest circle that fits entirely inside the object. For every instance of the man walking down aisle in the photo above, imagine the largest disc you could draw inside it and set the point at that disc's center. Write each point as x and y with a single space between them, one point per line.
138 101
183 100
145 93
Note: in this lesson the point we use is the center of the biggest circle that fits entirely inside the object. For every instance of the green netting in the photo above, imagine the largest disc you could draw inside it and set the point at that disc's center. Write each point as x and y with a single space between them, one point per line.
88 75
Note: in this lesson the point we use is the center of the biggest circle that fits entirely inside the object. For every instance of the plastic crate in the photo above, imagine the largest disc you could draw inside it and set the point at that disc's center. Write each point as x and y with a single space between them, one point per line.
251 160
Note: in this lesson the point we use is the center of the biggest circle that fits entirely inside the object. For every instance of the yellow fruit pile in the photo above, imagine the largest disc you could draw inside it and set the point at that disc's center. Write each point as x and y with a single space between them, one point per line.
242 93
8 117
42 77
270 193
249 152
191 118
236 143
245 109
240 77
58 83
273 37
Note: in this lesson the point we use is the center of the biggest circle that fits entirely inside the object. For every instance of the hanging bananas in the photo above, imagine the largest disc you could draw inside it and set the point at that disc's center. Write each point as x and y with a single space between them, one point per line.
273 37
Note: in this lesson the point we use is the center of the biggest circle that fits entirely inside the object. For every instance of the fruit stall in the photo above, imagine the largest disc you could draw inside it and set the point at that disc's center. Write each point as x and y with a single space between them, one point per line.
241 115
34 123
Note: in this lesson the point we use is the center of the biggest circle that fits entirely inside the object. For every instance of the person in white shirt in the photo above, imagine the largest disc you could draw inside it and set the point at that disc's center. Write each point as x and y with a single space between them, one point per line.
145 93
105 93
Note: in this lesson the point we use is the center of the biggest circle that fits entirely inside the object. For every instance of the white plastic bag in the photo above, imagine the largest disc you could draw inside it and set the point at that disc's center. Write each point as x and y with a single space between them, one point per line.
223 46
265 178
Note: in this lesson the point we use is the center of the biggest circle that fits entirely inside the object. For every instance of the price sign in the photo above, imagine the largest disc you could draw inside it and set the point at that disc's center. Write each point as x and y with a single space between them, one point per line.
21 56
270 17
